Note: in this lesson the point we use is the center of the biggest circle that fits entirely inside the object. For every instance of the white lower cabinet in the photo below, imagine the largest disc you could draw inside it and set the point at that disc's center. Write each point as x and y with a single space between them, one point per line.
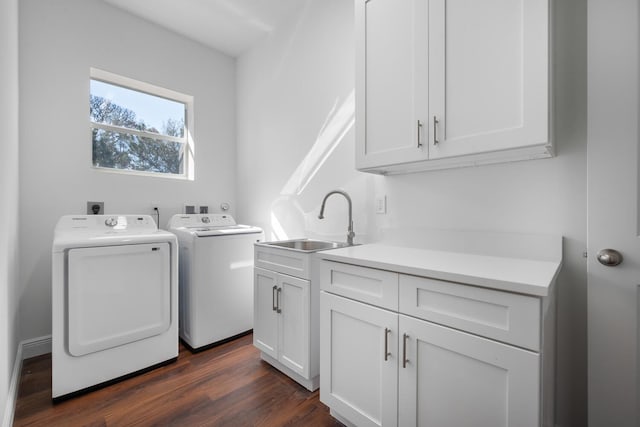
265 317
451 378
389 367
357 381
281 319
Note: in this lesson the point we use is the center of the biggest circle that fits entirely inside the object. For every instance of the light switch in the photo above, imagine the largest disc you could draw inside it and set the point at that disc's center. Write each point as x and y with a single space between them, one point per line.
381 204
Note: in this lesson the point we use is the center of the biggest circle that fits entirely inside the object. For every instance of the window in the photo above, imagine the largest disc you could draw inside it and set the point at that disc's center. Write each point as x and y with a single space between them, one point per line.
139 128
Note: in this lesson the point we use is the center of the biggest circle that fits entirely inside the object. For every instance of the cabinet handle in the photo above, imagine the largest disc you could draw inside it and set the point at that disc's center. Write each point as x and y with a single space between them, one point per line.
404 350
419 132
278 309
435 130
386 344
274 307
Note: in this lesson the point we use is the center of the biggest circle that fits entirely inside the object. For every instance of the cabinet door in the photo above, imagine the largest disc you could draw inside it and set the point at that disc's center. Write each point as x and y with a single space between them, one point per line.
358 361
265 324
456 379
488 75
294 306
391 83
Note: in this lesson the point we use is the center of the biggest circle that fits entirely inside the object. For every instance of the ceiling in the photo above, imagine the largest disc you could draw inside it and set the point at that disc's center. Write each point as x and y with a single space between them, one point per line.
230 26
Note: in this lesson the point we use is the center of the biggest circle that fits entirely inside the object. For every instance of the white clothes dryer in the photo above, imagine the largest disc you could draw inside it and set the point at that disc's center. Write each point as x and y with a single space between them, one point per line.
114 300
216 277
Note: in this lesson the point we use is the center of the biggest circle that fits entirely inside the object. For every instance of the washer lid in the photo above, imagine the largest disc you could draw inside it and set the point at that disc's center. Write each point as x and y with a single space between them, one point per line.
225 230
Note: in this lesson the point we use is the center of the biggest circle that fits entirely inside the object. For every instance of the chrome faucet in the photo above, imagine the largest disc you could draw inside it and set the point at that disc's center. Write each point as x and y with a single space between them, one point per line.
350 233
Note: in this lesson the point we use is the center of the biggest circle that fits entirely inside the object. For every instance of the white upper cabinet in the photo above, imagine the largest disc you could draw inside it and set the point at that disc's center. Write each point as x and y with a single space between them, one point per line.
447 83
488 75
391 88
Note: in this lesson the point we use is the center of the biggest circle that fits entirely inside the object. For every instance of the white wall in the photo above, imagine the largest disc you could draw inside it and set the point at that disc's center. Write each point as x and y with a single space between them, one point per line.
59 41
8 194
295 117
289 85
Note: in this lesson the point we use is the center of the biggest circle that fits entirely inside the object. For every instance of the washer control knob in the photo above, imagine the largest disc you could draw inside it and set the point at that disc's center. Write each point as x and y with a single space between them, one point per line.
112 221
206 219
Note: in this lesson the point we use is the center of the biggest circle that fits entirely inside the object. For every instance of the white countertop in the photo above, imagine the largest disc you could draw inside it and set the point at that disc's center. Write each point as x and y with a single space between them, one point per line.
526 276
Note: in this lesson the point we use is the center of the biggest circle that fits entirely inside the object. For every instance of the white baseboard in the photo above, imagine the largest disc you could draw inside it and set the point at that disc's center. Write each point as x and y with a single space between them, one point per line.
36 346
26 349
12 393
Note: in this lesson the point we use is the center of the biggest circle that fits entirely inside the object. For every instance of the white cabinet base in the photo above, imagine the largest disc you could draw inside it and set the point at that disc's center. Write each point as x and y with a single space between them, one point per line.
286 329
504 156
342 419
310 384
430 352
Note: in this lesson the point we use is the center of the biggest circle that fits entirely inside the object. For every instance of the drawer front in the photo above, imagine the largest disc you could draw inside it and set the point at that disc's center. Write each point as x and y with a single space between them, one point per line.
503 316
369 285
296 264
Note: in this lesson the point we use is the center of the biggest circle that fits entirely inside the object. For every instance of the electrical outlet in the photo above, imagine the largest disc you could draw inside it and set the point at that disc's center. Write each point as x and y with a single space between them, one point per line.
95 208
381 204
189 209
204 209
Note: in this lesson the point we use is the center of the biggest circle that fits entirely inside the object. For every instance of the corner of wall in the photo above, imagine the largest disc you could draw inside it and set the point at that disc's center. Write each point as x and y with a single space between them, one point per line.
9 242
12 392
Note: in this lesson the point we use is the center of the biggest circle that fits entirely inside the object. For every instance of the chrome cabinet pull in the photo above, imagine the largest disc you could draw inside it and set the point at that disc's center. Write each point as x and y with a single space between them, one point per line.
435 130
386 344
273 298
404 350
419 131
278 309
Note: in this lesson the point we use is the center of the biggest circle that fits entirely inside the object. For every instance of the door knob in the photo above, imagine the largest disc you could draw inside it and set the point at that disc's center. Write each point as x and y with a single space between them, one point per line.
609 257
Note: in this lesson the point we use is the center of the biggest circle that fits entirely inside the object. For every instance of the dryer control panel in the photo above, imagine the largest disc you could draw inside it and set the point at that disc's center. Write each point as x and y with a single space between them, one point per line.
105 223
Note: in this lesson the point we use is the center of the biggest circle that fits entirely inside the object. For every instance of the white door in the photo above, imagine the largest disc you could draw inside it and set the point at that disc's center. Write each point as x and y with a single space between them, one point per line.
359 361
488 75
265 325
392 83
451 378
613 212
293 319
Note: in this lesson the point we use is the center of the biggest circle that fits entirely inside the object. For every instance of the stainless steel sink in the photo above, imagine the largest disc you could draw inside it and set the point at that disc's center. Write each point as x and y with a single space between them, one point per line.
306 245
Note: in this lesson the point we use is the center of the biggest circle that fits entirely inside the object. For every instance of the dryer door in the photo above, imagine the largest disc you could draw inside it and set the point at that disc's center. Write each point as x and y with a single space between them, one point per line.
117 295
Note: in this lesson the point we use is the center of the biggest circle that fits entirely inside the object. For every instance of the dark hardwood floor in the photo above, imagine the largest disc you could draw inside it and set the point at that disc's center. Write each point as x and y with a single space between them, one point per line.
227 385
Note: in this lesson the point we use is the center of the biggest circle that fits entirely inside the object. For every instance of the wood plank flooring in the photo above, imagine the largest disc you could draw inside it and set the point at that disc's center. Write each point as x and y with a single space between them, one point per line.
227 385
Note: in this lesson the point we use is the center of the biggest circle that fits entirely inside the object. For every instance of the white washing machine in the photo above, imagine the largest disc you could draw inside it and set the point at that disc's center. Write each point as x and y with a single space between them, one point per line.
216 277
114 300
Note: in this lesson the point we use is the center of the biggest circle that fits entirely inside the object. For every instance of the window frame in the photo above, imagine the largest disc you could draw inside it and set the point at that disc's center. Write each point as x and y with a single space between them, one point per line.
147 88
